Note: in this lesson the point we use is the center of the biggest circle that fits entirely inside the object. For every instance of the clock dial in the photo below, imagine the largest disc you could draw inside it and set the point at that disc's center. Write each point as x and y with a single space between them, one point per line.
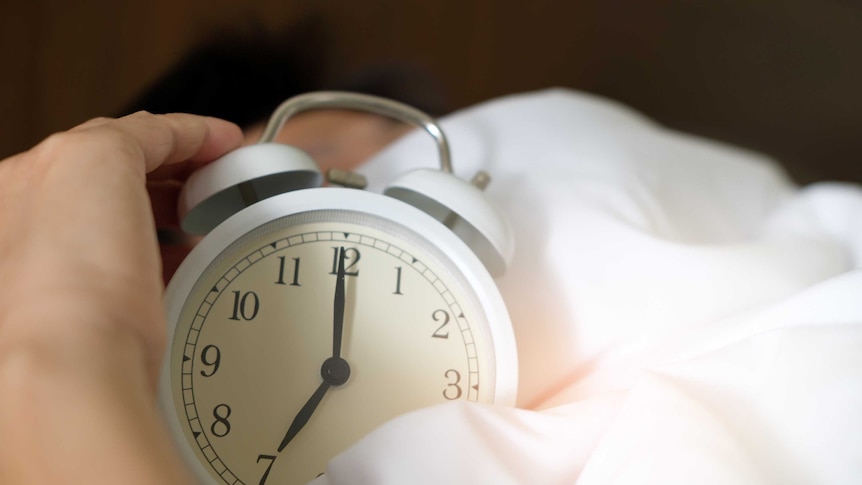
312 330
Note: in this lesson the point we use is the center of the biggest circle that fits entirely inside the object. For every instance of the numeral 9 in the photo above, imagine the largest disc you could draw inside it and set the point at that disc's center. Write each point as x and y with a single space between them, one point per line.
208 360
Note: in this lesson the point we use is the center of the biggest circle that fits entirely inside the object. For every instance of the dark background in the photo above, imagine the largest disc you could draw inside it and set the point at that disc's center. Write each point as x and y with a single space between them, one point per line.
779 76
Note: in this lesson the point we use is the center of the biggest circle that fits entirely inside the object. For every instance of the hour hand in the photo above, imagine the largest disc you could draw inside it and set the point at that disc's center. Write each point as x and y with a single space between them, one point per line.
304 414
335 371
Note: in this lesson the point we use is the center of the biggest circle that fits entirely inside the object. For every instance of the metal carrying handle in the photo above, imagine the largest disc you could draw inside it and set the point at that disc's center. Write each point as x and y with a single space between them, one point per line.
359 102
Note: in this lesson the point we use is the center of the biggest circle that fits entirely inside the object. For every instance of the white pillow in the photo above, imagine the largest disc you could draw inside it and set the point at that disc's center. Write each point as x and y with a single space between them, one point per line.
684 313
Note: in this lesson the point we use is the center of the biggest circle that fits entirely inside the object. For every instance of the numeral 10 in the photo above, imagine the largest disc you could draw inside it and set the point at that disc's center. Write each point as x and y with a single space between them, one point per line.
245 305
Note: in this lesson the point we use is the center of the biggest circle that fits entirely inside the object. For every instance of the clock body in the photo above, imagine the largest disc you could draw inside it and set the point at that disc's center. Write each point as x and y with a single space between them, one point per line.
251 322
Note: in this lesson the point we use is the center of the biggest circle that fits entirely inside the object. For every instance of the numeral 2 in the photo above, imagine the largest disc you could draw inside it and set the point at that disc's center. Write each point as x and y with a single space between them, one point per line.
437 316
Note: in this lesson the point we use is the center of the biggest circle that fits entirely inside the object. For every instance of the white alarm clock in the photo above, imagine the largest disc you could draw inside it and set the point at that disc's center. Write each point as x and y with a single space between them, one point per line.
309 315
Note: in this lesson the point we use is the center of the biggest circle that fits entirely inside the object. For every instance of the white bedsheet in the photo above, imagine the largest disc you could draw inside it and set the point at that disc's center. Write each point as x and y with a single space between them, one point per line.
684 313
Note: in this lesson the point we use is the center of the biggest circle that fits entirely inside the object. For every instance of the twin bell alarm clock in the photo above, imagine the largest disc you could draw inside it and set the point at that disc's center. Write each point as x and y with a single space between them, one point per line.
310 315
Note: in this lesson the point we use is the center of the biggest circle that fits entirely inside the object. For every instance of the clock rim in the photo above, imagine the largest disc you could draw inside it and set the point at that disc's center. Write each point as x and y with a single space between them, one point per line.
500 331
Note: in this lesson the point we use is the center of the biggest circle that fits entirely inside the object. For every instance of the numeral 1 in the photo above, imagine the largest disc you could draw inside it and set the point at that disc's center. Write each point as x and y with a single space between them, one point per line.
398 281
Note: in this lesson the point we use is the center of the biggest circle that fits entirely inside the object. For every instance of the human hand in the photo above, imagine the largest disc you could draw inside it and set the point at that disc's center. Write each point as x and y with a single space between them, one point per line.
81 323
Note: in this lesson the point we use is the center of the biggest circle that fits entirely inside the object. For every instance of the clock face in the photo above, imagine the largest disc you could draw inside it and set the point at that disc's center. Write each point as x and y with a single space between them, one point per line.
263 389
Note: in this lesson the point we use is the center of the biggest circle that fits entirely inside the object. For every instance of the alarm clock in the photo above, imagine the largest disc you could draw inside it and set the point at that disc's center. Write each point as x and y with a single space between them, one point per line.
309 315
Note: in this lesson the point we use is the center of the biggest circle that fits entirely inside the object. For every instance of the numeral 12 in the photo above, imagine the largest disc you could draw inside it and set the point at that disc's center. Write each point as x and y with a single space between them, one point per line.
351 257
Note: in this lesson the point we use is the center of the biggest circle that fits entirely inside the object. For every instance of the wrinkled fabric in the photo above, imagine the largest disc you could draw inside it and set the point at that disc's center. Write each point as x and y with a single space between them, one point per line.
683 312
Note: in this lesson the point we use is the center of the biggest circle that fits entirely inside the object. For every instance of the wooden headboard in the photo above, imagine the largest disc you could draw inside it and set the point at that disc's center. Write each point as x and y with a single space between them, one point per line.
778 76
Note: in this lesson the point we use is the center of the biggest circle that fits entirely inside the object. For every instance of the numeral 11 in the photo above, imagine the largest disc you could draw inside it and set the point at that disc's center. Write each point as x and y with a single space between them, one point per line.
281 272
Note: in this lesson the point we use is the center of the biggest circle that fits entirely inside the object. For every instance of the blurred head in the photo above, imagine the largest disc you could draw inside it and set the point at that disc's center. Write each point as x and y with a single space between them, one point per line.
242 76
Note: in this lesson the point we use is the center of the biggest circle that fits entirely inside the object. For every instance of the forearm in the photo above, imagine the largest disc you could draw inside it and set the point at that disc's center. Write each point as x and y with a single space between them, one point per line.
78 408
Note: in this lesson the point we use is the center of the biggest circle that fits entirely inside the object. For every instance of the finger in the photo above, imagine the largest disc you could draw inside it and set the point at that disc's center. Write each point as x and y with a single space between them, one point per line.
176 171
172 138
92 123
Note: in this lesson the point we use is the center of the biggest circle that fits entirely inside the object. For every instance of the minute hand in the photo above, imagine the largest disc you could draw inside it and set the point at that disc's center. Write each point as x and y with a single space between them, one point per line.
338 308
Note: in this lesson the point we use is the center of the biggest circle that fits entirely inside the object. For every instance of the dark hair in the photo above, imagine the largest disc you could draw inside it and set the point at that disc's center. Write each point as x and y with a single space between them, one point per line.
242 75
238 75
